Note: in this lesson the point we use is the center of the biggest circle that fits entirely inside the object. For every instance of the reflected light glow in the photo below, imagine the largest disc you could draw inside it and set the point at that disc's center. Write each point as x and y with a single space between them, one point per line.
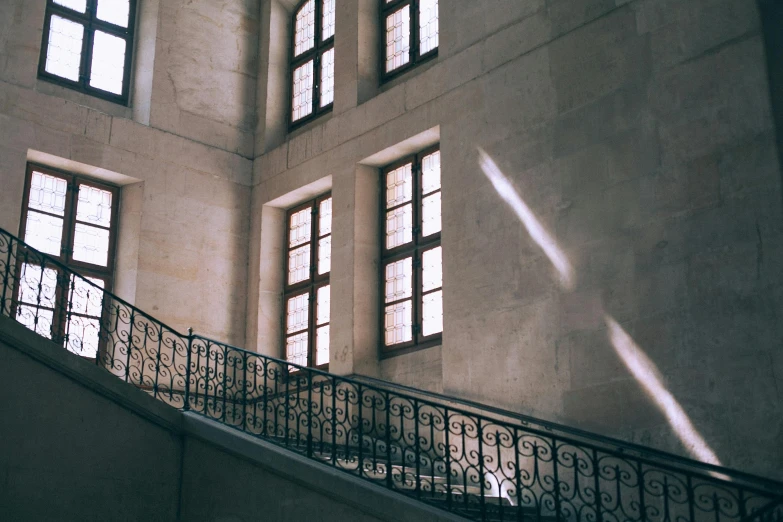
534 227
645 371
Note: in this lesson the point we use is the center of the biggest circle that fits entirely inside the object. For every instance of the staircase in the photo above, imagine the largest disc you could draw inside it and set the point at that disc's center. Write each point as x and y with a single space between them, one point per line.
473 460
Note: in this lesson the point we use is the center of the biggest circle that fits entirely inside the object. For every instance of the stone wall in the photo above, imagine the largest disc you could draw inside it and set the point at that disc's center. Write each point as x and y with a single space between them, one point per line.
639 135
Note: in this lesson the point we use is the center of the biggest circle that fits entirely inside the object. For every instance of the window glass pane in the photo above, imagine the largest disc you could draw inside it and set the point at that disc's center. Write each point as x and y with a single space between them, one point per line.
299 265
432 313
398 31
114 11
36 319
64 51
399 185
108 62
322 345
47 193
297 313
94 206
91 245
303 91
430 215
399 226
325 217
323 298
398 323
44 232
428 25
430 173
76 5
33 278
399 279
84 298
327 77
328 31
325 255
83 336
296 349
299 227
304 37
432 269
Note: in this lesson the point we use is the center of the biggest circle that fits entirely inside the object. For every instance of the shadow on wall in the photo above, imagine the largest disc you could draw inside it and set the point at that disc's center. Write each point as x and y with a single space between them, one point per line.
633 357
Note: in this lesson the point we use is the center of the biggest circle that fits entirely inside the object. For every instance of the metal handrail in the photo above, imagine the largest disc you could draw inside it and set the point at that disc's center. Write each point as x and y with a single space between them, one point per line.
472 459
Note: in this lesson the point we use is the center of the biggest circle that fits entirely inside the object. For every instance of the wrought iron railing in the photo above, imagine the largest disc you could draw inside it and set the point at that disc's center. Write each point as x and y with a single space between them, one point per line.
772 512
479 462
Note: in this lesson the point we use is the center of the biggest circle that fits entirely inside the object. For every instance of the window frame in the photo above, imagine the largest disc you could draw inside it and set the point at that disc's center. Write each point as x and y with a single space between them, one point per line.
320 47
91 23
415 249
65 258
416 59
309 286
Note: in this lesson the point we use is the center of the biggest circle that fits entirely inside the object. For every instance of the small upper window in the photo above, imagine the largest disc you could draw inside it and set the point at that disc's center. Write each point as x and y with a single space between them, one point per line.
312 60
87 46
410 33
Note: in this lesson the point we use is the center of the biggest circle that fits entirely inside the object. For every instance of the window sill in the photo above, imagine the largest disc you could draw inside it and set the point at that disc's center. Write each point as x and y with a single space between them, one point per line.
388 353
49 88
396 78
309 123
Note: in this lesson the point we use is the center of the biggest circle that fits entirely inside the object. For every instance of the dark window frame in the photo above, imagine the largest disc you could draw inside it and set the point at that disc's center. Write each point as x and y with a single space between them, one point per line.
308 286
91 23
416 59
320 47
87 270
415 249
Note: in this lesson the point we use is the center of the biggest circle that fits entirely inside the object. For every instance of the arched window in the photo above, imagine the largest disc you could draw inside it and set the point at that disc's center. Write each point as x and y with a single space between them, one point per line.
312 60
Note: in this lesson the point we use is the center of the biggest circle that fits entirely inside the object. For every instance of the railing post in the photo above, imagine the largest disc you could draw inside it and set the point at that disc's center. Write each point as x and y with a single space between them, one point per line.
5 278
309 414
186 406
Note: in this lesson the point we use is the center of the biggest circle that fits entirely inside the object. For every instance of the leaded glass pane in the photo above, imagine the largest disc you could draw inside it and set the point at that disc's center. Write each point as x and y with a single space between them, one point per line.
430 173
303 91
399 185
64 51
323 298
44 232
94 206
432 313
299 227
325 255
428 25
76 5
114 11
328 22
430 215
84 298
37 283
399 279
399 226
297 313
327 77
432 269
36 319
296 349
108 62
304 33
47 193
325 217
299 264
83 336
398 323
322 345
398 31
91 245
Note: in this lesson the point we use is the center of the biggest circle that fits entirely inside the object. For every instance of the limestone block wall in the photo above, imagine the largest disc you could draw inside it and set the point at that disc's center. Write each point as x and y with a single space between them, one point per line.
639 135
181 152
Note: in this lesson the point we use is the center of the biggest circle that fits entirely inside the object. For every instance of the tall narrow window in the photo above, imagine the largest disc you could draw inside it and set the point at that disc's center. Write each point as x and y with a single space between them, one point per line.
312 63
409 34
87 46
307 291
412 257
73 220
